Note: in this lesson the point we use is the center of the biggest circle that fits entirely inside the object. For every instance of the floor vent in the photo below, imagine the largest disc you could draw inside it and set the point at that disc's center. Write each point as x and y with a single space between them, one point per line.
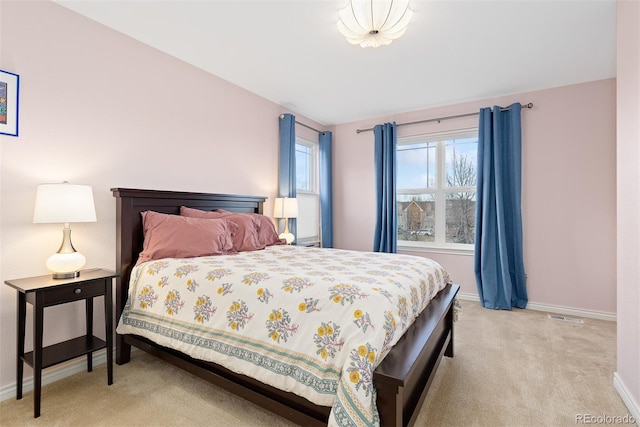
565 318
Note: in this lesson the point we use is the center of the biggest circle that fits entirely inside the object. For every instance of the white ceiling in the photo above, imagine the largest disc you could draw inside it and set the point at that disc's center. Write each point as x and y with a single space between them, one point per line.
291 52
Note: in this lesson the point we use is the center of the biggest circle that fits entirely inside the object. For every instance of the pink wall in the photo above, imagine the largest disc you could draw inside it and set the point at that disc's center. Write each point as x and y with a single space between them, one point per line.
628 126
99 108
569 181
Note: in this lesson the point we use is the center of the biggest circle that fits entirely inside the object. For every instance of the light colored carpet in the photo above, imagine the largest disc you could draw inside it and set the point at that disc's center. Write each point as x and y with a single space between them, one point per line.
515 368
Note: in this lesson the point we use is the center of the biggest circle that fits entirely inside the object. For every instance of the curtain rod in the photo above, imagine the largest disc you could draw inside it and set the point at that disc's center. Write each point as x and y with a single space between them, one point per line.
529 105
302 124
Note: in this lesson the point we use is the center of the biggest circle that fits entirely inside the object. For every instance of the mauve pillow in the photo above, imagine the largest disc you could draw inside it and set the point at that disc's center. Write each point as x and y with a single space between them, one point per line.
245 238
267 233
174 236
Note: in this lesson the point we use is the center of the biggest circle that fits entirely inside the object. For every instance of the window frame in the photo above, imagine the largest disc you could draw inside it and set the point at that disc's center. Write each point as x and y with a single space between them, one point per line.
314 185
439 192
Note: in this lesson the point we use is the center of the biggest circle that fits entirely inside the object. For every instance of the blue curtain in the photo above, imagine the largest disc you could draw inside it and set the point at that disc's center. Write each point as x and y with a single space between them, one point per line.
287 170
385 237
326 192
499 265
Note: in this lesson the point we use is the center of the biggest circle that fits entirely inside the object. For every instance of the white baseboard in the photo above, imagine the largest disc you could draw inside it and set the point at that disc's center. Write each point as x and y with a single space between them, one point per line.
627 398
53 374
574 312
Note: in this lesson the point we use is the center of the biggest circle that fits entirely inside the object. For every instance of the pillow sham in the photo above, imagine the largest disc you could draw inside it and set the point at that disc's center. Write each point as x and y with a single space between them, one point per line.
265 229
175 236
267 233
245 238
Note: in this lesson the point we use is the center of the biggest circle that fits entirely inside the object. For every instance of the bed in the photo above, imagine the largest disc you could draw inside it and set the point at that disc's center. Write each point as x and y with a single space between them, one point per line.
401 380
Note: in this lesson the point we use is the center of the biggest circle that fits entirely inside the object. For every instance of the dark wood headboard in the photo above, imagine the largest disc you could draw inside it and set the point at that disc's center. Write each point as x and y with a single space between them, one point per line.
129 234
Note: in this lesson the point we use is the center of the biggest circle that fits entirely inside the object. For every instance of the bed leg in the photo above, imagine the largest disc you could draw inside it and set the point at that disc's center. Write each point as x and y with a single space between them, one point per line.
449 350
389 404
123 350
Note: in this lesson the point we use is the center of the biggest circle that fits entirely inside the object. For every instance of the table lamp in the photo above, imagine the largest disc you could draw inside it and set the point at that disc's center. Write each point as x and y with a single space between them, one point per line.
286 207
64 203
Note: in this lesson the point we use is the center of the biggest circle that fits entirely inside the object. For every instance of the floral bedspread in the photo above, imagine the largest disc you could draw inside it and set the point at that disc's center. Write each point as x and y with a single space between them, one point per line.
315 322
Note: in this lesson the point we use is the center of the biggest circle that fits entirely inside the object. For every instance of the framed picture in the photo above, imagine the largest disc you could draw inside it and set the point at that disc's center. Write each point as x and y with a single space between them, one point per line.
9 91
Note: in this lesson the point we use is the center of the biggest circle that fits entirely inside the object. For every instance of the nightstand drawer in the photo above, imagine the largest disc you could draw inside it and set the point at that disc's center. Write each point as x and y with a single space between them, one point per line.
68 293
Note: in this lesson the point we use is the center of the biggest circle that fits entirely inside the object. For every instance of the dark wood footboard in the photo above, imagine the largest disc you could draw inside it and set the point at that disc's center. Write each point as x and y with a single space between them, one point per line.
404 376
401 380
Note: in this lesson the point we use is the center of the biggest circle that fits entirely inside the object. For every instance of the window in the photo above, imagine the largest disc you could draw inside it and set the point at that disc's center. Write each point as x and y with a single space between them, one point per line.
436 189
307 192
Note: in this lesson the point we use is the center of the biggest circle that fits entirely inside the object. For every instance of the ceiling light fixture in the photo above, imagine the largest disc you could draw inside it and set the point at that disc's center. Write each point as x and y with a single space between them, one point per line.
374 22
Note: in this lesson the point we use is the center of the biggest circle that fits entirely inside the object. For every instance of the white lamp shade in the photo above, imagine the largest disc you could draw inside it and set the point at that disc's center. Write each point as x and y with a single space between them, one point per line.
64 203
285 207
373 23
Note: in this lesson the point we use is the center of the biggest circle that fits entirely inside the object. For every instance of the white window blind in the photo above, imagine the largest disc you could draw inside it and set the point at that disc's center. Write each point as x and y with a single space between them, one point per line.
308 217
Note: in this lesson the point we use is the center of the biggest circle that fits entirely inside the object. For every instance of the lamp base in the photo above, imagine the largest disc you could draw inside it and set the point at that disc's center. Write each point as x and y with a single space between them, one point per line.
288 237
66 265
70 275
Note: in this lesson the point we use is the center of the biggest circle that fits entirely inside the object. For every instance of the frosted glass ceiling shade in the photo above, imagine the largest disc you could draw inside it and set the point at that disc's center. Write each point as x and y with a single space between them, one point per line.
373 23
64 203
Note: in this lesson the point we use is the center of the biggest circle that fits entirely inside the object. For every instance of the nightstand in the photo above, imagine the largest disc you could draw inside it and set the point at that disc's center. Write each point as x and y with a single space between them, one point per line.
308 244
44 291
